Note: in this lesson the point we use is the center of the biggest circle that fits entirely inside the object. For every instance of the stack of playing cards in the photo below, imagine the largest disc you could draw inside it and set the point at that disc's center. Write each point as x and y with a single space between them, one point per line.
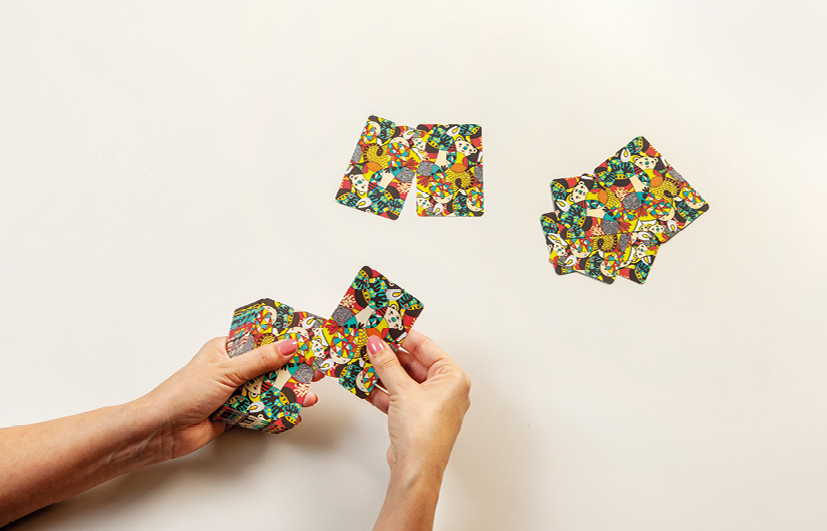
373 305
613 221
445 160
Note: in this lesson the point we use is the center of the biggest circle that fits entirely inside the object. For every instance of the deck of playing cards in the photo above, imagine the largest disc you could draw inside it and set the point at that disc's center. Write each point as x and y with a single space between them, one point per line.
613 221
372 305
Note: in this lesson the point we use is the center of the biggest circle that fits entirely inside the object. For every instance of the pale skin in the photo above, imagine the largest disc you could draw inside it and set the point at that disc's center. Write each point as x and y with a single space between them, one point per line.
426 400
45 463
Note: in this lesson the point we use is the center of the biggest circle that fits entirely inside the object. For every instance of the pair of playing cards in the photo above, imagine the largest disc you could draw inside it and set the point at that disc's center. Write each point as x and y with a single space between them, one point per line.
444 160
613 221
337 347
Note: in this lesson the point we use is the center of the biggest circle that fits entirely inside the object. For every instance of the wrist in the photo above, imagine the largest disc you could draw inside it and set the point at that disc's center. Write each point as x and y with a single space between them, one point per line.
413 493
151 433
423 457
418 474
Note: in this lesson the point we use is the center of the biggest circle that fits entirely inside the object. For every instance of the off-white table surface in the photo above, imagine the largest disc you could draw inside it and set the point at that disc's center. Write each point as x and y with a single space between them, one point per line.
165 162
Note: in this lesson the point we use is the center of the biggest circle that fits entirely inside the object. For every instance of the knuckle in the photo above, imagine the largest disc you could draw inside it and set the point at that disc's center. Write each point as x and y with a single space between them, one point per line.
235 377
384 364
226 366
463 384
466 381
217 343
232 375
462 378
266 354
429 343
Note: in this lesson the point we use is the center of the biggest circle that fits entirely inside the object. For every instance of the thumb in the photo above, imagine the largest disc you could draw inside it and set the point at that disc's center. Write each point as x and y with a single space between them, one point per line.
387 365
263 359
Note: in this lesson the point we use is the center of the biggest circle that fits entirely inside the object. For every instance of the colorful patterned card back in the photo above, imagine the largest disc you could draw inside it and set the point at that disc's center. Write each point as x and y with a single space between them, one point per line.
654 196
445 159
612 222
449 176
628 254
582 254
272 401
372 305
381 169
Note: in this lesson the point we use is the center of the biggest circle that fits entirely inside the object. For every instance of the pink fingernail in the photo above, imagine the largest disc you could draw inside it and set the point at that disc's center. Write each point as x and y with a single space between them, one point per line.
375 345
287 347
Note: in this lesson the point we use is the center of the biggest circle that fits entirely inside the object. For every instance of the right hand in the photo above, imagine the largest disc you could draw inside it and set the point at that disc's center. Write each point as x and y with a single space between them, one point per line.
426 400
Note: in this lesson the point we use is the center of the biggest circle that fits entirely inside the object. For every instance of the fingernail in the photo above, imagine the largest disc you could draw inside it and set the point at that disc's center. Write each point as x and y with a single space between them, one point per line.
375 345
287 347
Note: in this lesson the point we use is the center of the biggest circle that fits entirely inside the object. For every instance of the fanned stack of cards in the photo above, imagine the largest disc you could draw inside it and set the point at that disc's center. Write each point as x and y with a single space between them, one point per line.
445 160
373 305
613 221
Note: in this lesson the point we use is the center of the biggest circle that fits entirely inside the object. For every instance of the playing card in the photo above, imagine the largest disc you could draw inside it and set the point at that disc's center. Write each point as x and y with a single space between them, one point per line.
640 255
381 170
449 174
579 208
628 254
372 305
272 401
612 222
596 257
653 196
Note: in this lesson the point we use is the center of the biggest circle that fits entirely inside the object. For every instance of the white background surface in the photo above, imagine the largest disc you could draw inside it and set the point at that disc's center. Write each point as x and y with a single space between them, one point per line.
163 163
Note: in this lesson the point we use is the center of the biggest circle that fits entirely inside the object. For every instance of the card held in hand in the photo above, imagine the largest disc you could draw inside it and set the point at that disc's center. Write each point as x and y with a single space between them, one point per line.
372 306
270 402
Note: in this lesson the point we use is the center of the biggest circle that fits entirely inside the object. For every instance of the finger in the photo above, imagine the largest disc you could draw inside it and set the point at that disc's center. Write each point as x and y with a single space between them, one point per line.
310 399
260 360
412 365
218 343
214 349
380 399
214 428
424 349
387 365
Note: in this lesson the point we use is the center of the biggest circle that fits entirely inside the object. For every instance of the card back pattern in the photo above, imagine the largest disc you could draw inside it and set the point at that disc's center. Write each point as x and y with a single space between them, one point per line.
450 175
612 222
372 306
270 402
381 170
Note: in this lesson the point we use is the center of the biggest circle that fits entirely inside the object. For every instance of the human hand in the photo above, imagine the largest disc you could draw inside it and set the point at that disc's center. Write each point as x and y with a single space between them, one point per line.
50 461
426 400
182 404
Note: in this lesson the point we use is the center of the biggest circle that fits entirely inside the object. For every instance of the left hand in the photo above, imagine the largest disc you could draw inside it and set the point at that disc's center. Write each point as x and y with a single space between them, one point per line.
182 404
